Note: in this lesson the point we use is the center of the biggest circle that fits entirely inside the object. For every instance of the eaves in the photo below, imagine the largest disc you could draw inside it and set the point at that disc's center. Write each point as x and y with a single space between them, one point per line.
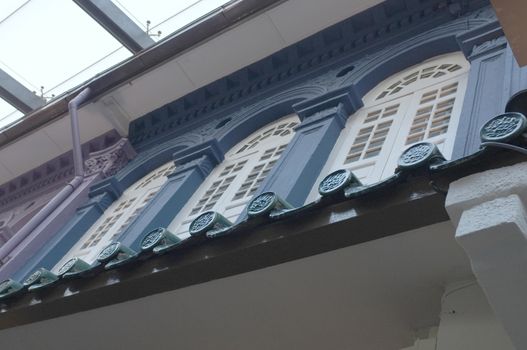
209 26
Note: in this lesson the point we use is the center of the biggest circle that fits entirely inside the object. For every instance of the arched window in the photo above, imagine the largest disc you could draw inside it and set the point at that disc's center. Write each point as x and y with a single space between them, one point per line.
119 215
422 103
232 183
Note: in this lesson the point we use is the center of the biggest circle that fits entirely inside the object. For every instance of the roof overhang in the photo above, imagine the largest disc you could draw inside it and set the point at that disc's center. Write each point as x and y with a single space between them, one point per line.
236 35
384 211
367 296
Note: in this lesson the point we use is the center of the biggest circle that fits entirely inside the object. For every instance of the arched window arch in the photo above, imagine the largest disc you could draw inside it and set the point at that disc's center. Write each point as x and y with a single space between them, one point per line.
421 103
232 183
119 215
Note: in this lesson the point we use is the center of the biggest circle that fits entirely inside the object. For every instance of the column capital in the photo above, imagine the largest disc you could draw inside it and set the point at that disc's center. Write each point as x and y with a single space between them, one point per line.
108 161
482 41
211 149
338 104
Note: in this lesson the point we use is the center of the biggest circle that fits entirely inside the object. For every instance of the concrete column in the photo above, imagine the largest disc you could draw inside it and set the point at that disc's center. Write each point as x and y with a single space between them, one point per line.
489 212
192 167
322 118
486 51
67 236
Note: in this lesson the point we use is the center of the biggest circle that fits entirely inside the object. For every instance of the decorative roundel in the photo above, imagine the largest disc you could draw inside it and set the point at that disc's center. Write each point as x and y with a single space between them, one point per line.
4 285
34 277
202 223
109 252
261 204
334 182
152 238
418 155
67 266
504 127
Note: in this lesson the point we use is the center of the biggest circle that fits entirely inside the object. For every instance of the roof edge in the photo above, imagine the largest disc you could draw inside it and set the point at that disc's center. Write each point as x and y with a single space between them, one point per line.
187 37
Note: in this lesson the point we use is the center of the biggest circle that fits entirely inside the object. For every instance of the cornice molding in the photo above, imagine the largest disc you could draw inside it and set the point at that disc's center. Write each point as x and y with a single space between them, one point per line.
299 61
50 175
110 160
339 103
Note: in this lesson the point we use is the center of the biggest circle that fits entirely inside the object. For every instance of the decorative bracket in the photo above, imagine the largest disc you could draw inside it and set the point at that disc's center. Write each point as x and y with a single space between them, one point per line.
159 241
9 288
420 155
40 278
115 254
209 223
73 268
265 204
504 128
337 182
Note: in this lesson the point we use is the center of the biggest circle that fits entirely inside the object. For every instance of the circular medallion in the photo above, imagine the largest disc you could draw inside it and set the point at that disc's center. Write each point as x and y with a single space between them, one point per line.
108 252
67 266
202 223
418 155
504 127
34 277
152 238
334 182
4 285
261 204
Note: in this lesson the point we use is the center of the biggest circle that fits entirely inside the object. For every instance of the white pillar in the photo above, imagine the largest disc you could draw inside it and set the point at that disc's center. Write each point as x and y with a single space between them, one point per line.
489 212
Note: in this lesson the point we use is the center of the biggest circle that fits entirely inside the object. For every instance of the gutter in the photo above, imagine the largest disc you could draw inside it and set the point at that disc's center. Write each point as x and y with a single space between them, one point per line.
68 189
187 37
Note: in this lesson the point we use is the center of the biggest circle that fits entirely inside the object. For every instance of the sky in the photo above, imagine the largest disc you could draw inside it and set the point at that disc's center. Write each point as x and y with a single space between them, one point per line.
52 46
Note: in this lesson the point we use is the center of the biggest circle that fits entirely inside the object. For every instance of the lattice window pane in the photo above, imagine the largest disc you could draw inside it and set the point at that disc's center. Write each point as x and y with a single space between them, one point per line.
433 116
428 72
371 137
120 214
418 104
230 186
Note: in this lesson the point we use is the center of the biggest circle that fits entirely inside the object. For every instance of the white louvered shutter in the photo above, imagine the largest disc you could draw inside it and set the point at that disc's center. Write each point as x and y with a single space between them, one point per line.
231 184
118 215
423 103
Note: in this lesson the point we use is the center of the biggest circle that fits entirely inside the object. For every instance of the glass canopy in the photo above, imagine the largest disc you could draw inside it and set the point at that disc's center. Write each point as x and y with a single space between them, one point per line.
8 114
166 16
51 47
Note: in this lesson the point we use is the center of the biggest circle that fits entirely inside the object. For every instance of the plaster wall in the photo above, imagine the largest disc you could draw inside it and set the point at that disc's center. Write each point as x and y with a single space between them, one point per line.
466 322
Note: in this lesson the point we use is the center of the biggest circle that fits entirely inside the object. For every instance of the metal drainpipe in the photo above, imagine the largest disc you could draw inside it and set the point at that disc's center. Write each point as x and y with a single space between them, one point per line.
68 189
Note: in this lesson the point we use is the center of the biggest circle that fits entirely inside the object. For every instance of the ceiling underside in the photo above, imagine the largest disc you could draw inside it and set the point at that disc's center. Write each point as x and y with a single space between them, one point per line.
343 299
233 49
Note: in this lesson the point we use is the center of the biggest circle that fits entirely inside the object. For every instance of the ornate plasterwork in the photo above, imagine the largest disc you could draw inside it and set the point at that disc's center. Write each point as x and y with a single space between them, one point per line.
110 160
334 182
488 46
504 127
285 68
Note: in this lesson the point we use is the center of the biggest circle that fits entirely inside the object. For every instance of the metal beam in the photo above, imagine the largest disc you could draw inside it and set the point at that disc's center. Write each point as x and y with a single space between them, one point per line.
17 94
117 23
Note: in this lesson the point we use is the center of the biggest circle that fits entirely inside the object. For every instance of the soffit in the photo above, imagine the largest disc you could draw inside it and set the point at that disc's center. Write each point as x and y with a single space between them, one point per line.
237 47
337 300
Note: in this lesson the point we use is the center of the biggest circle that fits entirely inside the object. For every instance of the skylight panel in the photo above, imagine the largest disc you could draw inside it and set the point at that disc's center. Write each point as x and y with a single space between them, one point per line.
166 16
8 114
10 7
51 47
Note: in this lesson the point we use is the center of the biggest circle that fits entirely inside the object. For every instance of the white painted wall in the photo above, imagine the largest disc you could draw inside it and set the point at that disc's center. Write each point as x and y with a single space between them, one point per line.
489 211
466 322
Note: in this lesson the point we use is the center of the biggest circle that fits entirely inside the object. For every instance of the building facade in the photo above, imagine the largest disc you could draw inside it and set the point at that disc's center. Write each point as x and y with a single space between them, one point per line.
216 211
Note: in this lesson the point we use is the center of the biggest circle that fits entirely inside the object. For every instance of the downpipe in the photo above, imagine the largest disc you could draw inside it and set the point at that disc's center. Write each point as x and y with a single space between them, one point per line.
63 194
